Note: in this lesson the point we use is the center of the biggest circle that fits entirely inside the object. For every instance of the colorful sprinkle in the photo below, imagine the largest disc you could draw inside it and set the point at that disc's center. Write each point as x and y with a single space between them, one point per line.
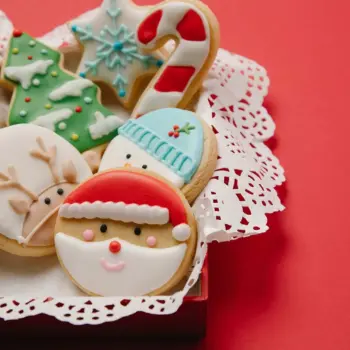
62 126
27 99
36 82
159 63
122 93
54 74
75 137
15 51
78 109
82 74
74 28
48 106
32 43
88 100
44 52
23 113
30 57
17 33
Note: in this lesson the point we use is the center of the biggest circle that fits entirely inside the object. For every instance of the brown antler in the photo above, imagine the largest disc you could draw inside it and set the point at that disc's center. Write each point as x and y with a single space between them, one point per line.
48 156
11 181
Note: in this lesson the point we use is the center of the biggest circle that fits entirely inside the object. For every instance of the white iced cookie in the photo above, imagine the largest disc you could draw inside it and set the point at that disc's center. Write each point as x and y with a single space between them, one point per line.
171 142
126 232
38 169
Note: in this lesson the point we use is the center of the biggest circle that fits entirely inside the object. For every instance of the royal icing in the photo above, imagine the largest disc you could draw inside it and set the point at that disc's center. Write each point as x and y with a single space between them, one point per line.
191 27
139 214
104 125
168 142
111 53
71 88
94 267
24 74
50 119
37 171
44 90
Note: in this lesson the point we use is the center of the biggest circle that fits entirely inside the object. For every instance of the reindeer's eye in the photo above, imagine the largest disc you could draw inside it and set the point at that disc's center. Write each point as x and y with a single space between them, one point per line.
47 201
60 191
103 228
144 166
128 156
137 231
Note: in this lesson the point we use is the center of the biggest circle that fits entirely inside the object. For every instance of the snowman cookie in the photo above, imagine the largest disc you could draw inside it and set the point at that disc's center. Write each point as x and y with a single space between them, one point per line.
38 169
171 142
45 94
126 232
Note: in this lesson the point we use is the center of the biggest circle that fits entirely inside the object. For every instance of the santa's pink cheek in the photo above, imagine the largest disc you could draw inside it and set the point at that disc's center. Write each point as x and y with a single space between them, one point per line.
88 235
151 241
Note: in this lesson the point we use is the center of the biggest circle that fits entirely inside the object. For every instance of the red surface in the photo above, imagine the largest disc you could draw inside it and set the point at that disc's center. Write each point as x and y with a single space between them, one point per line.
289 288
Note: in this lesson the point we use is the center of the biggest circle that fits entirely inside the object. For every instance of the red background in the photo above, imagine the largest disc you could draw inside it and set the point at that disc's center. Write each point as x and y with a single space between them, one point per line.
288 288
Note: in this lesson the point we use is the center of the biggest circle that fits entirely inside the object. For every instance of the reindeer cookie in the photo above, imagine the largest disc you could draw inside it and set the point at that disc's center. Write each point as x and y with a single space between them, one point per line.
47 95
110 51
126 232
38 169
171 142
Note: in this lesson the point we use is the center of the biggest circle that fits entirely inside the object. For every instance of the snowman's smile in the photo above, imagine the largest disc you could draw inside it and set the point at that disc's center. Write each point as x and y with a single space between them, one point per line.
112 267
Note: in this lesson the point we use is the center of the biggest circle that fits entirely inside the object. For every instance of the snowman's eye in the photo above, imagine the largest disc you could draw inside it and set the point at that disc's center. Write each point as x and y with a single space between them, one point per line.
144 166
47 201
128 156
103 228
137 231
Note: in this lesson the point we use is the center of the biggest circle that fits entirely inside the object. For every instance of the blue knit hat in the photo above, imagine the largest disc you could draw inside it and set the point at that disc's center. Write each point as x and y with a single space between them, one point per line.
173 136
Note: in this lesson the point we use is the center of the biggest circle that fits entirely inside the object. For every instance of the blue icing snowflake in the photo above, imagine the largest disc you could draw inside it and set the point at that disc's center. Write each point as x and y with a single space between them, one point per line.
117 49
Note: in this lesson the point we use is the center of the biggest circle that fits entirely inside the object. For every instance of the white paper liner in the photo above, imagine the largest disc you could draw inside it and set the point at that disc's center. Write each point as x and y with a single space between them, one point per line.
233 205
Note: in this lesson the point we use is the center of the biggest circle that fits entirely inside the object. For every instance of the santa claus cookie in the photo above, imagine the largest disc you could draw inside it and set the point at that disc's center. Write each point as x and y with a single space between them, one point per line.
126 232
38 169
45 94
173 143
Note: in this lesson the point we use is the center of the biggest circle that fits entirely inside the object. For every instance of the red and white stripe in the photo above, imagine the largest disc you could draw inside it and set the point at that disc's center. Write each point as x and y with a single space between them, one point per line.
190 26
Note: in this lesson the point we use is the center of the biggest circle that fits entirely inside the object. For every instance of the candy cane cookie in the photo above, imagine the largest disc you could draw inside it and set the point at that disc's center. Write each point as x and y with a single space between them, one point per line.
196 32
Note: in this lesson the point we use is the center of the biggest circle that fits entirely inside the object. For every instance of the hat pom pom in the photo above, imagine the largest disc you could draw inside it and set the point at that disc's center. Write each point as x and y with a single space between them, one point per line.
182 232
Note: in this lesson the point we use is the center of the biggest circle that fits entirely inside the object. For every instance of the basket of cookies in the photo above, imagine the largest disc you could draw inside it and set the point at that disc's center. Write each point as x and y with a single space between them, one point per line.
130 141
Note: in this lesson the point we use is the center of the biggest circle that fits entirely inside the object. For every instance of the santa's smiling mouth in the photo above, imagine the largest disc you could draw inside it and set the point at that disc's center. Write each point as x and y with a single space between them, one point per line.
112 267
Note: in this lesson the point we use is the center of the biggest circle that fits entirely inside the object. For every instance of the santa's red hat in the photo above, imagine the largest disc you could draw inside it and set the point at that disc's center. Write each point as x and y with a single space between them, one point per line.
128 197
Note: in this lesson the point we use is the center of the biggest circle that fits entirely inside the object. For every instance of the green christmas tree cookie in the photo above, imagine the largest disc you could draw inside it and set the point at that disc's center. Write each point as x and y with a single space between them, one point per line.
47 95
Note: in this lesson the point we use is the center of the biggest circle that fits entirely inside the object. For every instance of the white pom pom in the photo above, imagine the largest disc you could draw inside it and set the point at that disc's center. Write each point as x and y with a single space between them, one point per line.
181 232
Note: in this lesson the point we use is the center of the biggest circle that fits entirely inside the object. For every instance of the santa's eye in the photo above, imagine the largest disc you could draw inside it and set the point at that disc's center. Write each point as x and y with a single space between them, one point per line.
60 191
137 231
47 201
144 166
103 228
128 156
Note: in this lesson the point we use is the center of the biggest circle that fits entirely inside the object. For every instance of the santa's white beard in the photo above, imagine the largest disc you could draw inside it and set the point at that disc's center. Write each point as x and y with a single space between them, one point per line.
134 271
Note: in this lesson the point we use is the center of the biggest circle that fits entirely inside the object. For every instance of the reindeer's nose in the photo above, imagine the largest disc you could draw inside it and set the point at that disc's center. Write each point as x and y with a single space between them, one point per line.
127 165
114 247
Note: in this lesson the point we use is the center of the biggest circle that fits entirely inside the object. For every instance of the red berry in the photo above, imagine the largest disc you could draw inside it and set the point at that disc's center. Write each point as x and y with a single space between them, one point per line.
27 99
78 109
17 33
176 127
30 57
176 134
115 247
171 133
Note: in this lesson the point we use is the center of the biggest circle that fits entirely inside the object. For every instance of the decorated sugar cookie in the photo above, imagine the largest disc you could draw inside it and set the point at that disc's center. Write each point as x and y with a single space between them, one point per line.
171 142
38 169
196 32
126 232
47 95
110 51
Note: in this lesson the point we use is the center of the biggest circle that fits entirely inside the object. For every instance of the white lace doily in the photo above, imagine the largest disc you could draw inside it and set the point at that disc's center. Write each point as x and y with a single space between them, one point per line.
234 204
